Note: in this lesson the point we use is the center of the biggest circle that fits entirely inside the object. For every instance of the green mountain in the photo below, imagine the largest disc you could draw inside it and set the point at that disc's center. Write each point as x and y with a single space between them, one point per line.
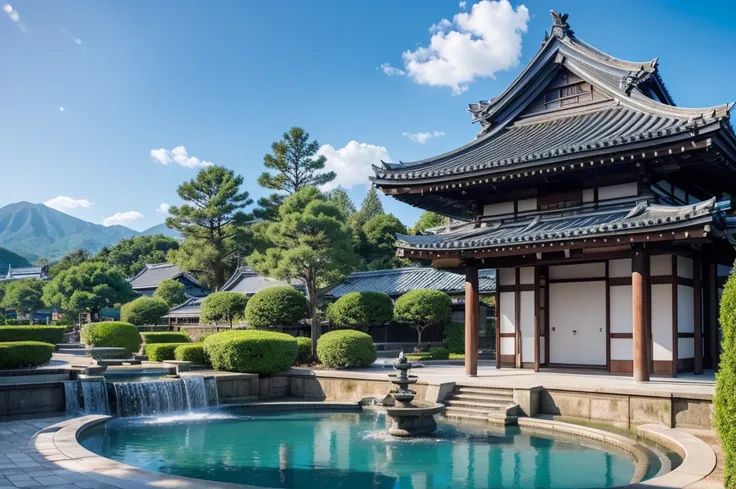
162 229
8 258
39 230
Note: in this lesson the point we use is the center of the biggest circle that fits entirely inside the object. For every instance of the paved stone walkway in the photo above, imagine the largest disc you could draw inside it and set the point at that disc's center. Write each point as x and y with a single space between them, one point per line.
22 464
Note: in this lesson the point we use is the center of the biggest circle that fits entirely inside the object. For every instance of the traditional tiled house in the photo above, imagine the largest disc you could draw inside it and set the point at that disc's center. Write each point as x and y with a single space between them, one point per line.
604 208
40 273
148 279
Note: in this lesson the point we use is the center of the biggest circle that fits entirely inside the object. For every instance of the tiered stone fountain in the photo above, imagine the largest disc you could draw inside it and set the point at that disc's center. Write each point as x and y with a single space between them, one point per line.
409 417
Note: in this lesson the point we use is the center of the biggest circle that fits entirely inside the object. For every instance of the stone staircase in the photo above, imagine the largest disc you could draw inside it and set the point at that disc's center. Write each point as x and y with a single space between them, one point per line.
490 404
71 349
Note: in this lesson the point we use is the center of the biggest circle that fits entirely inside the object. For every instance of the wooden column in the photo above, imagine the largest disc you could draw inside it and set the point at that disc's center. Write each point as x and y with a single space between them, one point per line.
472 319
536 318
698 320
639 272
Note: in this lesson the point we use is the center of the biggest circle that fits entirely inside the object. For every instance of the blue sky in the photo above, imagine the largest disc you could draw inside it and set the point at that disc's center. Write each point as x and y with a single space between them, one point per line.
90 88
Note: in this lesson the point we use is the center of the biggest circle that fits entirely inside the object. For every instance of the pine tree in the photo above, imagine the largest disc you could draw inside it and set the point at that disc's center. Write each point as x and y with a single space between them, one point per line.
341 199
371 206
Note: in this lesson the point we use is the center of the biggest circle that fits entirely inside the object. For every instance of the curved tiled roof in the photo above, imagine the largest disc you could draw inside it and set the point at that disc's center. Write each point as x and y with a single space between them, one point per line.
246 281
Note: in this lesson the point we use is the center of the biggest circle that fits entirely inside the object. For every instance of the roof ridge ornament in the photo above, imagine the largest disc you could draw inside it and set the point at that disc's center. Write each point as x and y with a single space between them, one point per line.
560 28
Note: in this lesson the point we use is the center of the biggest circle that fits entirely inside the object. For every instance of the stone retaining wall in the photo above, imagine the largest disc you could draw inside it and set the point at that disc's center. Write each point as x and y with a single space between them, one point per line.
31 400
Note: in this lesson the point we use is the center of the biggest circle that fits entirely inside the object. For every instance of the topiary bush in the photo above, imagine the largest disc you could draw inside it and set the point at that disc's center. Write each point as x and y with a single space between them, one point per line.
223 306
261 352
455 337
144 310
276 306
422 308
164 337
172 292
25 354
303 350
192 352
724 401
112 333
44 334
160 352
361 310
346 349
439 353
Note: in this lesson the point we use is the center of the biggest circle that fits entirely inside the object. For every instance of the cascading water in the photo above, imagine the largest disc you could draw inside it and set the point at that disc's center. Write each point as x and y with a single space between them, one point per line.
159 397
86 397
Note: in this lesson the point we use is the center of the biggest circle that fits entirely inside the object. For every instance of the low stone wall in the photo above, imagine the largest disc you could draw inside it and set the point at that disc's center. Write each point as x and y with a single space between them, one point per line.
31 400
234 388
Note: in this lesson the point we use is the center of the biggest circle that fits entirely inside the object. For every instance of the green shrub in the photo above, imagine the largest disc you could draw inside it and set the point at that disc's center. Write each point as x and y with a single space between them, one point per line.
422 308
223 307
418 356
261 352
276 306
164 337
346 349
44 334
191 352
303 350
724 401
160 352
361 310
17 322
144 310
25 354
171 291
439 353
112 333
455 337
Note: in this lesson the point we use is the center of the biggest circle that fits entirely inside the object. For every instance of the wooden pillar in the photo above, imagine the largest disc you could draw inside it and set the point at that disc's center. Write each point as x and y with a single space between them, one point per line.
498 322
472 319
698 319
640 267
536 318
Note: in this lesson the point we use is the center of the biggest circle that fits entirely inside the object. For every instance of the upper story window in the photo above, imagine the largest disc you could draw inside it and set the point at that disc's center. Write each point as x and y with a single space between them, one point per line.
560 200
567 95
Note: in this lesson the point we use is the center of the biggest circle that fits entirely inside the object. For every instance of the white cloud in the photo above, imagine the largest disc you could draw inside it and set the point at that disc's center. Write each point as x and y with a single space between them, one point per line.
14 16
352 164
163 207
65 203
62 109
72 37
179 156
390 70
475 44
462 5
122 218
423 137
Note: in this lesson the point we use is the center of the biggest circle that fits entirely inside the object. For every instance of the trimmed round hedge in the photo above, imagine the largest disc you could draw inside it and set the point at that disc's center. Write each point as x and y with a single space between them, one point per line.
25 354
276 306
345 349
112 333
164 337
191 352
144 310
160 352
44 334
223 306
304 349
423 307
258 352
455 337
361 310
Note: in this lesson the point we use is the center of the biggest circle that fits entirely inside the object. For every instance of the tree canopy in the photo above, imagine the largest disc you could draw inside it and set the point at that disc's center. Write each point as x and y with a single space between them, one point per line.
144 310
342 200
212 222
171 291
380 239
309 242
224 306
129 256
371 206
428 220
24 295
422 308
71 259
87 287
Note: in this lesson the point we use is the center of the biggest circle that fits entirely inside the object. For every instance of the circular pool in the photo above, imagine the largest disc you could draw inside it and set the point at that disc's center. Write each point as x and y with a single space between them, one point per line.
326 450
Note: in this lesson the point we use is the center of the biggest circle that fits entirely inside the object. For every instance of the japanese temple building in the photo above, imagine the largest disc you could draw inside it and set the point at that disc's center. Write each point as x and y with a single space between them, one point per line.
603 207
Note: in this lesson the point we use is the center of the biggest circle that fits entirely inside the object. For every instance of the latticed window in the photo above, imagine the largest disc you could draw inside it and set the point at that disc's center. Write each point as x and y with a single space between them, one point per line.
567 95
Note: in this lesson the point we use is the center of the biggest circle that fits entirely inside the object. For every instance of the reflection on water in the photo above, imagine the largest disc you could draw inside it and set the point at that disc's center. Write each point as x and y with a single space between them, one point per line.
351 450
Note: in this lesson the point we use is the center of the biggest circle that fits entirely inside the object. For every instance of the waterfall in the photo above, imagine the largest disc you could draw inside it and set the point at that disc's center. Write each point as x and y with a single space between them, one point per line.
86 397
159 397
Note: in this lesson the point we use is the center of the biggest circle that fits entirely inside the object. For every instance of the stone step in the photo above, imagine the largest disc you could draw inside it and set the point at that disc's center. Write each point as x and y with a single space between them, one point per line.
497 417
72 351
480 397
483 406
475 416
488 391
71 345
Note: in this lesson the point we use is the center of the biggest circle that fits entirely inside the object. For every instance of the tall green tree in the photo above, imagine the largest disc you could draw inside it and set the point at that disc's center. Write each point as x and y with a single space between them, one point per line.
87 287
130 256
213 223
428 220
171 291
309 242
296 165
24 296
71 259
371 206
342 200
380 242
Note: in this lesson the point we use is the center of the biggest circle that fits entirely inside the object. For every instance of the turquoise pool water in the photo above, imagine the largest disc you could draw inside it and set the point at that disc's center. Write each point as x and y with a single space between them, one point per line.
328 450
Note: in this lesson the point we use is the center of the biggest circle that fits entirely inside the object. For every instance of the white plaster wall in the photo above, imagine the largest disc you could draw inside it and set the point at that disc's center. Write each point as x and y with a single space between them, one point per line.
685 348
622 349
527 205
580 270
507 346
621 309
579 306
526 318
619 268
498 209
617 191
588 195
526 275
685 311
662 322
684 267
506 276
660 265
508 312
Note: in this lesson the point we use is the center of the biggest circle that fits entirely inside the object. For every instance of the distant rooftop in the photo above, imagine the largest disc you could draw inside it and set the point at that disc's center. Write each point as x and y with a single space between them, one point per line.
246 281
23 273
154 274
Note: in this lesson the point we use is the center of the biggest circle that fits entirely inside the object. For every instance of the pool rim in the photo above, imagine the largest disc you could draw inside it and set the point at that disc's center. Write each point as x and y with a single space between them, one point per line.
699 460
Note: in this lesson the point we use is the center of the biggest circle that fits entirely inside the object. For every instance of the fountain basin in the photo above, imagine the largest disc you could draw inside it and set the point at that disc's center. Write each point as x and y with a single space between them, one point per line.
414 419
